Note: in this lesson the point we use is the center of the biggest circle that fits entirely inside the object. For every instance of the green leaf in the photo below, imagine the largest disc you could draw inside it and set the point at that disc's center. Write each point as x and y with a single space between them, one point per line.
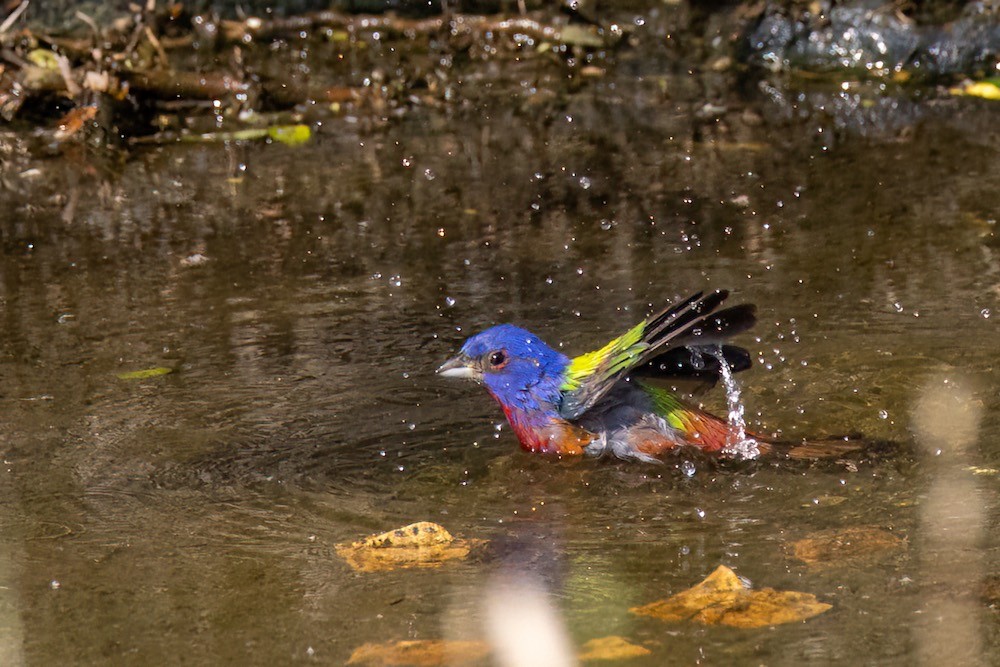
144 374
290 135
44 58
988 89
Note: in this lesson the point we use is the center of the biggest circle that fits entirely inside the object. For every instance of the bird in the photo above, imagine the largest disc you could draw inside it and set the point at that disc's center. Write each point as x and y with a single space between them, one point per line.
611 401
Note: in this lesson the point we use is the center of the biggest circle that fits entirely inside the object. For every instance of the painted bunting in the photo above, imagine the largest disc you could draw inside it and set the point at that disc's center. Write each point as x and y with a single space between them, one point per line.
611 401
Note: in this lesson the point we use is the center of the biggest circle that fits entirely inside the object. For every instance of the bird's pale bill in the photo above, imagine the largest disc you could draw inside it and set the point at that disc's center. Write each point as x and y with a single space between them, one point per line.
460 367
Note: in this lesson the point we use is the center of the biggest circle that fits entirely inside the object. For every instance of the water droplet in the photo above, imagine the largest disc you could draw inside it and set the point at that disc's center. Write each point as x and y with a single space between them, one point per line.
688 468
448 301
54 584
985 313
548 280
738 444
700 512
883 414
585 183
407 161
607 224
429 174
898 306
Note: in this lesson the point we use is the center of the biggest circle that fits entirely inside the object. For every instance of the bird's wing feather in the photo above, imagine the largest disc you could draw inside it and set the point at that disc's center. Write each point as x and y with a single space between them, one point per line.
697 427
691 322
695 363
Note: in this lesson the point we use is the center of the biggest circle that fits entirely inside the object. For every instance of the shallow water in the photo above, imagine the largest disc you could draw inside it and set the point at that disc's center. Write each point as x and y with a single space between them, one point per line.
192 517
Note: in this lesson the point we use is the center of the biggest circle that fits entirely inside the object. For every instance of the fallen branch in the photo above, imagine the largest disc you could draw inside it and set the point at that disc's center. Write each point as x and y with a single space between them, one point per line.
167 85
192 85
13 16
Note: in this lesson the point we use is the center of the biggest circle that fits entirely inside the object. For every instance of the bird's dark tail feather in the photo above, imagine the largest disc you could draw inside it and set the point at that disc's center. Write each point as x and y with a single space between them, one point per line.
695 321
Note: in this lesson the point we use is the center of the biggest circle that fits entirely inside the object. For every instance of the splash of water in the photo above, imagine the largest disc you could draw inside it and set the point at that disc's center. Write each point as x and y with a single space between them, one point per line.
738 445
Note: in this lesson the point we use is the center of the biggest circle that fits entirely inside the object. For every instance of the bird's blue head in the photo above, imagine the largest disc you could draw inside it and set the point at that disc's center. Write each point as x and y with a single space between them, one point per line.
518 368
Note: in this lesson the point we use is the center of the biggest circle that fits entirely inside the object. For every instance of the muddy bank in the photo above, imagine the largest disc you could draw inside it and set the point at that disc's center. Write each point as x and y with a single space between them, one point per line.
931 37
170 73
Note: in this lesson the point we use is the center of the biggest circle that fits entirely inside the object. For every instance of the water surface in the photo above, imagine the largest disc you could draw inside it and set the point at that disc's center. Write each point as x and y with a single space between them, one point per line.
192 518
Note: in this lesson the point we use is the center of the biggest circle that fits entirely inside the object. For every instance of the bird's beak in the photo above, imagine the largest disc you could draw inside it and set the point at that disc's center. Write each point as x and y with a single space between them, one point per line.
459 367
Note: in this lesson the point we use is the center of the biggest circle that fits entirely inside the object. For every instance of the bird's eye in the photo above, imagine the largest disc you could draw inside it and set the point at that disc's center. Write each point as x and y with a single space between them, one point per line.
498 359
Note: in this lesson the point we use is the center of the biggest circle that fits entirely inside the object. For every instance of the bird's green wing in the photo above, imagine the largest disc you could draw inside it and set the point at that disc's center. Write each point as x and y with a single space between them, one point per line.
697 427
691 322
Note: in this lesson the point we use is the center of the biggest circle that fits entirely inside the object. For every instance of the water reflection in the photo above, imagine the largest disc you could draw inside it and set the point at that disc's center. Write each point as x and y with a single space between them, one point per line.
947 418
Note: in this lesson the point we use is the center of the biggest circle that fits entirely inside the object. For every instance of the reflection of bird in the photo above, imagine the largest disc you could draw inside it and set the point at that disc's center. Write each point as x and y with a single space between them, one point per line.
606 401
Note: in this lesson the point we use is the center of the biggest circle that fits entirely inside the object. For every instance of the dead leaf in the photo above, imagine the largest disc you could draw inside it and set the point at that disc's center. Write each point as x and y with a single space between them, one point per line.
74 120
845 546
741 147
722 599
99 82
825 501
194 259
420 653
420 534
422 544
989 591
575 34
611 648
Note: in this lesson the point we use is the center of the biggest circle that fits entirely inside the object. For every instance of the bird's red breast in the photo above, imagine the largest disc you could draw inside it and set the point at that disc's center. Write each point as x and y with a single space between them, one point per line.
547 434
